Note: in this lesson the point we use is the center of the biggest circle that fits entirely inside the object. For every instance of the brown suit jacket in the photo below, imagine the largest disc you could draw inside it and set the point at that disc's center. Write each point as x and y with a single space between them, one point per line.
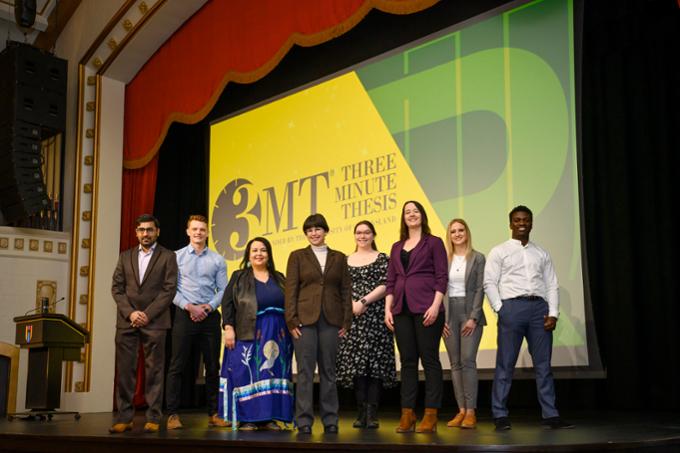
308 291
153 295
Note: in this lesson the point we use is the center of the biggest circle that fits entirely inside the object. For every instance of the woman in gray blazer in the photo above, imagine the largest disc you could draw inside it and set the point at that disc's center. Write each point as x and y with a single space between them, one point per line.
464 319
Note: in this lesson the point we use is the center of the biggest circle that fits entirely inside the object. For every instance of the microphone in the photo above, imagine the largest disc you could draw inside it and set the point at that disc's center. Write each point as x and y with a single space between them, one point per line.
44 306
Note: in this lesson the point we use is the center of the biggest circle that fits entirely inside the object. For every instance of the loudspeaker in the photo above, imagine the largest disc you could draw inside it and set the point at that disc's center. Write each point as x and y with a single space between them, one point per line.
22 189
24 12
33 90
34 83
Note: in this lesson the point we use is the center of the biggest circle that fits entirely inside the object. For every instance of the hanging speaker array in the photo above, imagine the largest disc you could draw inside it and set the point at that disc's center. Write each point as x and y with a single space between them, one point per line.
33 90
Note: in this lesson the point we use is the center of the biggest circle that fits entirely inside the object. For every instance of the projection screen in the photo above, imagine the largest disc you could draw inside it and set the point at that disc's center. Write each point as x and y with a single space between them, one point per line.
470 121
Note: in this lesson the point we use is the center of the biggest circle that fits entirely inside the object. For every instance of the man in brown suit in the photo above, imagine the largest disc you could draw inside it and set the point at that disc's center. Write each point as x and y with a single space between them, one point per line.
144 285
318 309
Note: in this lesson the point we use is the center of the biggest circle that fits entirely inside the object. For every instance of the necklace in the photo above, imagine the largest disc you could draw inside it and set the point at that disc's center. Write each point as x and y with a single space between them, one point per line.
458 262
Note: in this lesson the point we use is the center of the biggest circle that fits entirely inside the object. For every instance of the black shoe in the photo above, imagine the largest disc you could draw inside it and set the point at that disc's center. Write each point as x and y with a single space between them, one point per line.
556 423
502 423
360 422
372 416
330 429
305 429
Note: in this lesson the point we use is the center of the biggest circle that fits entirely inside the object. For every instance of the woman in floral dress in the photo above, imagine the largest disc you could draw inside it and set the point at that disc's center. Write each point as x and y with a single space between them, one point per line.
366 356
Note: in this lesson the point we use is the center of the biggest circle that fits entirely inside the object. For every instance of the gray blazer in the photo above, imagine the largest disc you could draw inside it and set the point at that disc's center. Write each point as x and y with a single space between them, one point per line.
474 288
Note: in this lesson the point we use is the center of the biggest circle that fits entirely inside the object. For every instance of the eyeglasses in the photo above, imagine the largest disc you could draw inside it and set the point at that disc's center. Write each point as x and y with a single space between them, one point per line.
141 230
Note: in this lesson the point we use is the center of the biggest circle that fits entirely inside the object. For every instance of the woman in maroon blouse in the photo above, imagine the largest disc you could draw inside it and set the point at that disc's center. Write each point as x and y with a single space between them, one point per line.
417 277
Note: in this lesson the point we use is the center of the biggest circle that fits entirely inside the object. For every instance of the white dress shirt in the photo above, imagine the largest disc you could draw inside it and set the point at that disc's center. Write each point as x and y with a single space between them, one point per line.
514 270
143 260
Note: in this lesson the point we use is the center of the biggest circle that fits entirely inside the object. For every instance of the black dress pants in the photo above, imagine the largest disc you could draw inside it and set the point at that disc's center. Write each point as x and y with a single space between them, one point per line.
415 341
208 334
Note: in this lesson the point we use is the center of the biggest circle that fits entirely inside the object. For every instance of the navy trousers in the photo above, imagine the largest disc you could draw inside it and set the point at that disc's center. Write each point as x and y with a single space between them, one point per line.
521 318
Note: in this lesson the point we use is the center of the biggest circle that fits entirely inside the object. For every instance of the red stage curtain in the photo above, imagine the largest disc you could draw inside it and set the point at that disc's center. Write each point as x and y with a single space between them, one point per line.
234 40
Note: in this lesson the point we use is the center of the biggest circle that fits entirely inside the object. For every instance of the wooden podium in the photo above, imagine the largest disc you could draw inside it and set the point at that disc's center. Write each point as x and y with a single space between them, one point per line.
50 338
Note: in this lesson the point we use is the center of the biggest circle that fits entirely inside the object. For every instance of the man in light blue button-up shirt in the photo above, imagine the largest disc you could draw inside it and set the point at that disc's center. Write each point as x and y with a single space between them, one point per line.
201 282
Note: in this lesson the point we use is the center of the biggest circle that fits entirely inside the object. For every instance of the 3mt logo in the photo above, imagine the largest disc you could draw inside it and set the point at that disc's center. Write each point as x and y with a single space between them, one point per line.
241 211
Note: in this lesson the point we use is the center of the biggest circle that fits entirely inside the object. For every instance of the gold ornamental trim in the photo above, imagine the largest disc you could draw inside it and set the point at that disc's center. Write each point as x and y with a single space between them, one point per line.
89 325
147 14
75 251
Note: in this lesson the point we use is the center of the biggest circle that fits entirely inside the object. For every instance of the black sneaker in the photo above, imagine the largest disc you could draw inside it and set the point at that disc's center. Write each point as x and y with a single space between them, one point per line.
556 423
502 423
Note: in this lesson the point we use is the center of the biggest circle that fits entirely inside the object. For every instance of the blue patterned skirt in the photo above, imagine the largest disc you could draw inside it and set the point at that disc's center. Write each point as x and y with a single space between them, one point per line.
255 381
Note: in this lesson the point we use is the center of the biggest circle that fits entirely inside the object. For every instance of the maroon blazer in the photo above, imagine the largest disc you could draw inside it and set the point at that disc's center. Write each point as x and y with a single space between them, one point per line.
427 273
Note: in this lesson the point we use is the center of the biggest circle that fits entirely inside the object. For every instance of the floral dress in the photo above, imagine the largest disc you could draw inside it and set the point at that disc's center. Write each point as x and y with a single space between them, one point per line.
368 348
255 382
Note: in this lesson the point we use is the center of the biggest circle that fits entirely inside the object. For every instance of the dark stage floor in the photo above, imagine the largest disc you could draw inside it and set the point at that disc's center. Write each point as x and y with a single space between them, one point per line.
594 432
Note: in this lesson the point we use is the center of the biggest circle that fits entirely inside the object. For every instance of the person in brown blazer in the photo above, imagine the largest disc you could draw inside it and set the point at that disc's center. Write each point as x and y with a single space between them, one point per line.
318 309
144 285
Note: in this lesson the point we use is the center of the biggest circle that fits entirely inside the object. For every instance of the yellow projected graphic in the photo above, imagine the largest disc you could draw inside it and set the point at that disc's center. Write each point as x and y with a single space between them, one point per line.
323 150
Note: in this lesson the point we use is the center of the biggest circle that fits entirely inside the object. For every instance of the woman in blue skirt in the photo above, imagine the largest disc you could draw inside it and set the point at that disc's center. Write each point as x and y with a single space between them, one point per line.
256 389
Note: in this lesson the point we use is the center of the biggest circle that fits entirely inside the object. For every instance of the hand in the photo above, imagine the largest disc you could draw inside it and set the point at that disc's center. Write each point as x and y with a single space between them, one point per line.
342 332
296 333
358 308
468 328
196 312
431 315
549 323
446 332
389 320
138 319
229 337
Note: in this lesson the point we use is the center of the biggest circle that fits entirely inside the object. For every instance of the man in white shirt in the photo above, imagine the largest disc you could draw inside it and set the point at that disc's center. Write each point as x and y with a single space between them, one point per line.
522 288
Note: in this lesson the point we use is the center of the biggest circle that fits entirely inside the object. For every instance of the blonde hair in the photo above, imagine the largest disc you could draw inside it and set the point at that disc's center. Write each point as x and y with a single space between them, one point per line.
449 244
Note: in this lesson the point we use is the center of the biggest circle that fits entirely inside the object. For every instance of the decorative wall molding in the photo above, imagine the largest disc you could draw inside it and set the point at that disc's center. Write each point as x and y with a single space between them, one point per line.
32 243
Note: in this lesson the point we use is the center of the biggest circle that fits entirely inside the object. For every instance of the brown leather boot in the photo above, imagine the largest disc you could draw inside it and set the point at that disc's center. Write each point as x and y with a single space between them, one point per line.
429 422
407 422
470 421
457 420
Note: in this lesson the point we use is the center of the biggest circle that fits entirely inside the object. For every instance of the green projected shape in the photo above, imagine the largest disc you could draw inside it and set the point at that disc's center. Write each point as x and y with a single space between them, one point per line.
485 116
536 107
